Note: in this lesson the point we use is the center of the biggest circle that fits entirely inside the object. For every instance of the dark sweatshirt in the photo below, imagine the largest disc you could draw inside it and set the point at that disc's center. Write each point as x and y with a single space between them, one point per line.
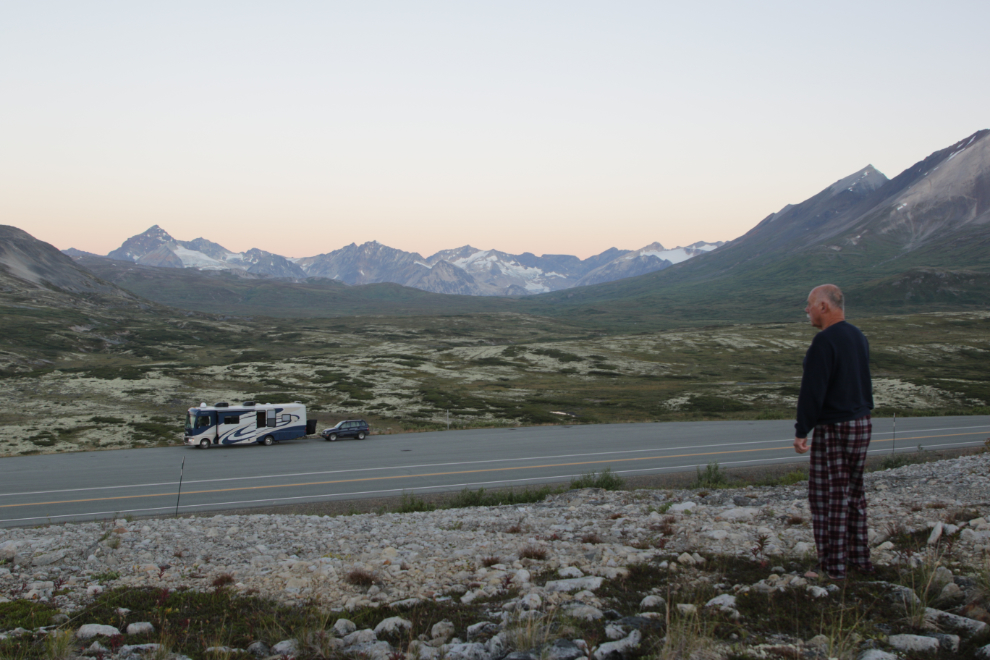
836 386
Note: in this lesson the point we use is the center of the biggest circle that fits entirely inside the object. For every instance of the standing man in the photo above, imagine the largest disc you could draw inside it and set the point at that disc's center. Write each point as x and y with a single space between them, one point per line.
835 401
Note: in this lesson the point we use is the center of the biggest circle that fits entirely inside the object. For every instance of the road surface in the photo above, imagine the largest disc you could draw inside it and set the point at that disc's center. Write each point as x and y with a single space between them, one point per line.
91 485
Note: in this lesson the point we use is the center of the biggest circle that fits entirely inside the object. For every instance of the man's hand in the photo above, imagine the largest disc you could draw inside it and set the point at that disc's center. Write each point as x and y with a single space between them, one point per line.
801 445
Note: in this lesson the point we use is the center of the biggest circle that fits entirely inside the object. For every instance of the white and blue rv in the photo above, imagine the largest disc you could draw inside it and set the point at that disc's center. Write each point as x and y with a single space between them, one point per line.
232 424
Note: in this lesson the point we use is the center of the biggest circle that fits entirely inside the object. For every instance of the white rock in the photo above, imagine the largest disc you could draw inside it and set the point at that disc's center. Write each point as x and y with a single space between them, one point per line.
725 600
686 559
687 609
618 649
344 627
468 651
574 584
914 644
936 534
876 654
652 602
442 631
817 592
614 632
682 507
739 514
585 613
570 572
286 647
365 636
530 601
522 576
982 653
392 625
954 623
91 630
140 628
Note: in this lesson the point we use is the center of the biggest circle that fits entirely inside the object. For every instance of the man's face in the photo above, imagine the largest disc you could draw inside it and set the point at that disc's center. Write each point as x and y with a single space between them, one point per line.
814 310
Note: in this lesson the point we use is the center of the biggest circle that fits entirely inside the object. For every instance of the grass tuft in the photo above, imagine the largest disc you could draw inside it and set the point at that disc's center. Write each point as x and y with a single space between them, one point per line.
606 480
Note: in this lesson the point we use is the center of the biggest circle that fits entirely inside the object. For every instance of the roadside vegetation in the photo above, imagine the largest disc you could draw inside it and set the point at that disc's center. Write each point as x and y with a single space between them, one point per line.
79 381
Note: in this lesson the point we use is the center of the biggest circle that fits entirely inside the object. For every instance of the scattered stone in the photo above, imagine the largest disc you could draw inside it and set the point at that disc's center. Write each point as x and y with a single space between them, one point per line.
960 625
574 584
565 649
469 651
259 649
442 631
140 628
687 609
392 625
619 649
651 603
286 647
344 627
91 630
914 644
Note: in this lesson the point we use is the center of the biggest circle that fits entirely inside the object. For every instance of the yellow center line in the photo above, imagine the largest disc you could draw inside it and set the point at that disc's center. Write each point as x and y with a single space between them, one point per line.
444 474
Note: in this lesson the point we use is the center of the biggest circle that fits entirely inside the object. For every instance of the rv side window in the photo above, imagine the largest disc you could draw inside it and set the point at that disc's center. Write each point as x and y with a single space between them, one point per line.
231 419
202 420
286 418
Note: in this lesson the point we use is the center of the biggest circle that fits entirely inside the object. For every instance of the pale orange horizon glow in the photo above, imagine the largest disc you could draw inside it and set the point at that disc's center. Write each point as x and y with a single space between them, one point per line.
554 128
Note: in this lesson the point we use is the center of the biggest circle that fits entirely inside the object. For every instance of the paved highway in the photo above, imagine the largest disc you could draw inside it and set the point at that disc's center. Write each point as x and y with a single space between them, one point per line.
82 486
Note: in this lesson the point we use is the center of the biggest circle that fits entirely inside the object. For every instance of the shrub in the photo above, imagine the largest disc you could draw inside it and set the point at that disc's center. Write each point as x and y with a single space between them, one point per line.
533 552
360 577
712 477
606 480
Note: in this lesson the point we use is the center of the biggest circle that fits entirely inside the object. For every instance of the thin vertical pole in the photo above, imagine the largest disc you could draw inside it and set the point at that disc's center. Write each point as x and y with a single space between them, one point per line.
177 497
448 419
893 446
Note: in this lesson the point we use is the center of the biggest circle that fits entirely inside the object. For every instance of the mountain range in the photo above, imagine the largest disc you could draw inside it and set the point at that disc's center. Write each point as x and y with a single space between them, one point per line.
466 270
917 242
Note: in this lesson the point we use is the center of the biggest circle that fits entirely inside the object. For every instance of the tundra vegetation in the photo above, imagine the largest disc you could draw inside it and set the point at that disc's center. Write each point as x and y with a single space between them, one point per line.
77 381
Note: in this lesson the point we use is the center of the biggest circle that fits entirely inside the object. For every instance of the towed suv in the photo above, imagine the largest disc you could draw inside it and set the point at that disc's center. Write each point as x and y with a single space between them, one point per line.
350 428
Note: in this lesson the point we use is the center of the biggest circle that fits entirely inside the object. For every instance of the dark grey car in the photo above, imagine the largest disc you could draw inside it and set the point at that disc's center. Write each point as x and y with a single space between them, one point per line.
350 428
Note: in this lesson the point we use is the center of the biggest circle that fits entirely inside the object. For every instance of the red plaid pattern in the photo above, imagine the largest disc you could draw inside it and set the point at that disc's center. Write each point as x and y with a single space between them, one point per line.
835 491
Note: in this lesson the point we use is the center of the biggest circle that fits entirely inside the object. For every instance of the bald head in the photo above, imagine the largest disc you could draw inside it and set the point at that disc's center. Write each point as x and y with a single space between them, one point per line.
830 294
826 306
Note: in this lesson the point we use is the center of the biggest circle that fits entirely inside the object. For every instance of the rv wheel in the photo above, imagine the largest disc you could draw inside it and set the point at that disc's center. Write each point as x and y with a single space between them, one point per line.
204 443
361 436
267 440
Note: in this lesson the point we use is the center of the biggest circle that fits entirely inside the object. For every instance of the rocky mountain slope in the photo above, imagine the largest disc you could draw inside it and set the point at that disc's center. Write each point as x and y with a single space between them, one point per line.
466 270
865 233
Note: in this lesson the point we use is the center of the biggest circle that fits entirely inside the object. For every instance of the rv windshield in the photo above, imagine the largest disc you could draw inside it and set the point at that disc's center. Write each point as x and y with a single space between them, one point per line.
197 421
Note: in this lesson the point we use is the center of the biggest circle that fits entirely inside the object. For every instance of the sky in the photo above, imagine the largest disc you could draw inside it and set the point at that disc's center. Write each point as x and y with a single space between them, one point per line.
558 127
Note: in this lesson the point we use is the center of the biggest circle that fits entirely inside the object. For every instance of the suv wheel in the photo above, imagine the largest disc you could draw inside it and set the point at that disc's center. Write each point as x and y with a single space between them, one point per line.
332 437
360 435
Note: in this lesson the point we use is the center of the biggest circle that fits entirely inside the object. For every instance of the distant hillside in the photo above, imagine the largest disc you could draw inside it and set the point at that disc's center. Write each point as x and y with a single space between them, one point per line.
872 236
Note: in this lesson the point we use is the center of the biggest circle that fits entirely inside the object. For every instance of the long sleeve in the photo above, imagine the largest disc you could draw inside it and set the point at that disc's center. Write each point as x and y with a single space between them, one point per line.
814 384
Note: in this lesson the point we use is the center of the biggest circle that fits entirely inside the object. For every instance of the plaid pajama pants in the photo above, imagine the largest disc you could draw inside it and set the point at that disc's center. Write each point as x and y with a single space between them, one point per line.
835 491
